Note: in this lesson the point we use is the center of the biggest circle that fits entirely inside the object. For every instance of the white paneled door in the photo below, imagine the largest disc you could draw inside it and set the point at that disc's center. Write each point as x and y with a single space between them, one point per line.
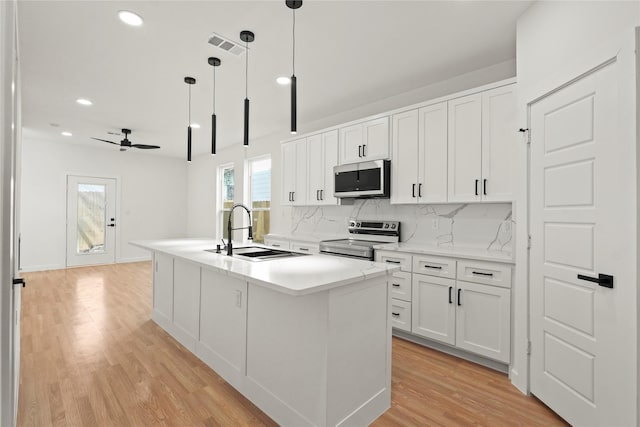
582 320
91 221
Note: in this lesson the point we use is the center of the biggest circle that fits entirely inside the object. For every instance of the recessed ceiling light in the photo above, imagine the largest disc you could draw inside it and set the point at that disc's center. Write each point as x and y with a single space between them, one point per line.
65 133
195 126
130 18
83 101
283 80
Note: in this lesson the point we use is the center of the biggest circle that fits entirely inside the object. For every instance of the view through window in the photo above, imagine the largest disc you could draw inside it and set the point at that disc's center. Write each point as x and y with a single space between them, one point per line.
226 179
259 171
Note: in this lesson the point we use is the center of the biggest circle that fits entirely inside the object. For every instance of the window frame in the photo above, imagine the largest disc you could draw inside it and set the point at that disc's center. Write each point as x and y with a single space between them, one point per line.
220 209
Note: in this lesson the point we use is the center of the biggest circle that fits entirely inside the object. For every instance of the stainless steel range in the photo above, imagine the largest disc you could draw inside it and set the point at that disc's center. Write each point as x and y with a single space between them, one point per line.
364 235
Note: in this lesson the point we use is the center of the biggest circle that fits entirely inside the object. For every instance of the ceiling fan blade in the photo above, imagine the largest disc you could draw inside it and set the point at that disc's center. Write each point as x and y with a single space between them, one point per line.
145 146
104 140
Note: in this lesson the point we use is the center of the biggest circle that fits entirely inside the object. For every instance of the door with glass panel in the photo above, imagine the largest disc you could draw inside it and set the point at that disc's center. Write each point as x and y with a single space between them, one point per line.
91 220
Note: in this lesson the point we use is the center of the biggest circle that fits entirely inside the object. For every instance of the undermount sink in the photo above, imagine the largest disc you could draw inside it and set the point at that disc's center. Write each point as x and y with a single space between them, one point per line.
257 253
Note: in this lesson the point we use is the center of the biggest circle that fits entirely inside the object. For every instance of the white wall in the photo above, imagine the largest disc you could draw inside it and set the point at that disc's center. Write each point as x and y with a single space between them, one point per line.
202 171
555 42
152 201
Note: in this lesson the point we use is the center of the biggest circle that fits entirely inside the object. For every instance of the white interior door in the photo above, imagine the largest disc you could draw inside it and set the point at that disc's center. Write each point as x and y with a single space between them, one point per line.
91 220
583 334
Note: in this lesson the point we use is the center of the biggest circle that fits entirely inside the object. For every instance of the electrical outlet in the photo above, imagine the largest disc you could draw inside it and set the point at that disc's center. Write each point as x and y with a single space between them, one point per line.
435 223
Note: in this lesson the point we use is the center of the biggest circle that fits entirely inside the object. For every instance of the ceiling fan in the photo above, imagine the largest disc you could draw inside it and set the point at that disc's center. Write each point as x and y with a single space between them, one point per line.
125 143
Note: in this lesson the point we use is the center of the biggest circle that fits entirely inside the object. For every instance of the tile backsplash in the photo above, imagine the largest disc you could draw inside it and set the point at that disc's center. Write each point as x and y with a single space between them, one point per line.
477 225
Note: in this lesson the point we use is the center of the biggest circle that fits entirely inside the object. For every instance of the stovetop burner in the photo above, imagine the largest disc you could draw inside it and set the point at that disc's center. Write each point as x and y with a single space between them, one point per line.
365 235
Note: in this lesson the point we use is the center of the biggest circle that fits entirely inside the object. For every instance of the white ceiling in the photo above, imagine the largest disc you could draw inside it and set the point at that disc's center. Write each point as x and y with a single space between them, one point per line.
349 53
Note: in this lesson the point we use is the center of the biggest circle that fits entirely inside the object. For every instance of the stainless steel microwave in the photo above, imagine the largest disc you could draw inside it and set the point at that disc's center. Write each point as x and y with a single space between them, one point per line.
363 180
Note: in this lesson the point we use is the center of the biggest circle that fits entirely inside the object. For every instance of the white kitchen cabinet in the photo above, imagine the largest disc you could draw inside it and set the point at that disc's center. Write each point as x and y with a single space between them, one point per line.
401 314
304 247
433 308
419 153
363 141
322 156
223 324
482 135
186 302
294 173
483 320
162 288
401 286
275 242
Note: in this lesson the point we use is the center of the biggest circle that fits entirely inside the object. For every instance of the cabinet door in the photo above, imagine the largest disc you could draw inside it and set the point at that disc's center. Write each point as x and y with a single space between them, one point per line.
432 153
401 314
300 183
288 158
433 313
330 159
465 148
186 301
404 164
376 139
499 138
315 169
483 320
223 318
400 286
351 144
163 286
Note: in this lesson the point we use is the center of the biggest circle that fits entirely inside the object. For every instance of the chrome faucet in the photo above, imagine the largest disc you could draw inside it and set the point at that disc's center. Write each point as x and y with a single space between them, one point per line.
229 229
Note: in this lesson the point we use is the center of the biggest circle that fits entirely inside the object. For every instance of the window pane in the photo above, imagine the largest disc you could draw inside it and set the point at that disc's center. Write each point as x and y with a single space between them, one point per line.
260 225
227 187
261 184
91 218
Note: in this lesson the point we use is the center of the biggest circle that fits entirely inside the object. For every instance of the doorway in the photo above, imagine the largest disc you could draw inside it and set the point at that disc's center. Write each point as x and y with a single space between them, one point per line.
91 220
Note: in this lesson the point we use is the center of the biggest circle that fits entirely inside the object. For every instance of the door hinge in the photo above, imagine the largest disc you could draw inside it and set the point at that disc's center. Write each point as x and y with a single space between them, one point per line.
528 134
528 347
529 241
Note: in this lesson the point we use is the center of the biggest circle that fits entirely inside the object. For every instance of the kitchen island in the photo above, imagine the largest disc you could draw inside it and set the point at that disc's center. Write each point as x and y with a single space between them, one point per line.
307 339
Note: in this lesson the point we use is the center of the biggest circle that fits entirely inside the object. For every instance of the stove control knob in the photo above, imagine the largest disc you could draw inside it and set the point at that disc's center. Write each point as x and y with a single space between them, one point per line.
358 225
393 226
386 226
352 224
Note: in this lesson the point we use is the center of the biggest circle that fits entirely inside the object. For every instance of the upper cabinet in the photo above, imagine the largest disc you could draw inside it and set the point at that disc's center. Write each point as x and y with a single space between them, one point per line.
482 138
294 174
322 156
419 153
368 140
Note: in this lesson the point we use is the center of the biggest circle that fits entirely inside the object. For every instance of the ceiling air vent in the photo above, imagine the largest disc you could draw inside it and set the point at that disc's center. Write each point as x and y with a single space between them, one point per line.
225 44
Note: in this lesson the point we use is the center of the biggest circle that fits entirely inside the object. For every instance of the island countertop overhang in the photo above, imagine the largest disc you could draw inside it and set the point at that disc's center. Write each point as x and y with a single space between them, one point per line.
294 276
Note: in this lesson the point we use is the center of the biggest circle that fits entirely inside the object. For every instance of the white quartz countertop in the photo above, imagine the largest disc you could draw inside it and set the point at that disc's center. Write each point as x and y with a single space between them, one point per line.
299 275
480 254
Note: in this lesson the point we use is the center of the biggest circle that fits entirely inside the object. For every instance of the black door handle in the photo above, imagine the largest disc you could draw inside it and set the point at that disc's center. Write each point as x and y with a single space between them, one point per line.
413 190
476 187
602 279
363 153
459 302
111 225
450 289
359 150
420 190
484 186
19 281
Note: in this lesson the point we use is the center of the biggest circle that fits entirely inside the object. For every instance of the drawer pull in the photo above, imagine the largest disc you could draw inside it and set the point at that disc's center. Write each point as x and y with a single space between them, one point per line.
304 249
391 261
275 245
435 267
480 273
395 285
395 314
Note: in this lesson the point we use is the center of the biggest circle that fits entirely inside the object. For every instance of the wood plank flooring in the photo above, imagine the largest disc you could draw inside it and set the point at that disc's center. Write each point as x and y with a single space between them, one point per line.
91 356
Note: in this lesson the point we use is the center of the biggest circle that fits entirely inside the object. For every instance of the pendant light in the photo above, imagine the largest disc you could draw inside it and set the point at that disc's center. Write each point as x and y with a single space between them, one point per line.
293 5
247 37
214 62
190 81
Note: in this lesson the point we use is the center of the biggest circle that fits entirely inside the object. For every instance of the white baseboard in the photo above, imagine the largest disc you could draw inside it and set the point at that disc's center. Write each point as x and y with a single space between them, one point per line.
33 268
133 259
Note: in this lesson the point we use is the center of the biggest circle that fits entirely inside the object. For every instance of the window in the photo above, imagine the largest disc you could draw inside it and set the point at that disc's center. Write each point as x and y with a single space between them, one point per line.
259 174
225 197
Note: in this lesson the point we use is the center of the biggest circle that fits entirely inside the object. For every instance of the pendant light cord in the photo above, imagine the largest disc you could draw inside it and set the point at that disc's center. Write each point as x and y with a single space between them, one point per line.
214 90
246 71
189 105
294 42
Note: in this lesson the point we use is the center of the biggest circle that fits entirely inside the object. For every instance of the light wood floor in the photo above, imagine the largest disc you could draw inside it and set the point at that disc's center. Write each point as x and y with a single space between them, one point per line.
91 356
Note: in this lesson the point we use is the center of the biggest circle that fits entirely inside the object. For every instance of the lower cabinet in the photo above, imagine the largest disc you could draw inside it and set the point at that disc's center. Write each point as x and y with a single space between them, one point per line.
162 288
304 247
433 308
186 301
223 323
483 320
276 243
401 314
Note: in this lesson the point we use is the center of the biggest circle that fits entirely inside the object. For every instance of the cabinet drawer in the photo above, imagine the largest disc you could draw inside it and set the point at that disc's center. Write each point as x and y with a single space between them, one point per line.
400 286
305 247
401 314
276 243
434 266
391 257
487 273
